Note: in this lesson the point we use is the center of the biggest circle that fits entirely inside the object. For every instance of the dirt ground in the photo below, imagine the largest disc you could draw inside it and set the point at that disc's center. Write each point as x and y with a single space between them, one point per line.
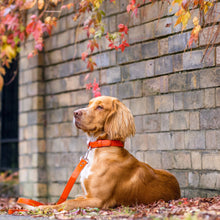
188 209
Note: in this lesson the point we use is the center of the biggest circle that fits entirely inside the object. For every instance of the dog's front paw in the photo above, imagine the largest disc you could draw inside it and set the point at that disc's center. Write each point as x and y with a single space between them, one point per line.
50 207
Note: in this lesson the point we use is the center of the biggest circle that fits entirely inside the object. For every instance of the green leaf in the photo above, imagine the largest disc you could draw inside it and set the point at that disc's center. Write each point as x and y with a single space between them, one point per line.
16 40
102 12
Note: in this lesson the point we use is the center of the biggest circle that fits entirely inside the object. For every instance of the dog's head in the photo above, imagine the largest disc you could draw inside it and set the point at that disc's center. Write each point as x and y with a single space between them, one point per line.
107 117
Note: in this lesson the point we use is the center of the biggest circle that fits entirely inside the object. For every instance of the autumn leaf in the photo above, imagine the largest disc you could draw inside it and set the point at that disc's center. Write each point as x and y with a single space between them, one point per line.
87 76
91 30
176 1
40 4
9 51
123 45
4 39
96 89
54 2
123 28
88 86
132 6
2 70
30 55
185 19
207 5
28 4
84 55
92 44
91 64
195 32
195 3
178 21
47 20
1 82
50 21
68 6
96 3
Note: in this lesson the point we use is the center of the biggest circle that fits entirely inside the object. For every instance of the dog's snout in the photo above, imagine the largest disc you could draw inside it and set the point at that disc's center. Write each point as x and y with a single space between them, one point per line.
77 113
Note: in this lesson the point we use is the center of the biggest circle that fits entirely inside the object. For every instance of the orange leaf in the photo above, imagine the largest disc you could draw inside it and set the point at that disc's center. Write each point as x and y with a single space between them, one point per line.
55 2
1 82
84 55
69 5
178 21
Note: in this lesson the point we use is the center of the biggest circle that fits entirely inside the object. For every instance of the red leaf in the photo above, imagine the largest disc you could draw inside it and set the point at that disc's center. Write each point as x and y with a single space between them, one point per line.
123 45
123 28
129 7
97 93
88 86
84 55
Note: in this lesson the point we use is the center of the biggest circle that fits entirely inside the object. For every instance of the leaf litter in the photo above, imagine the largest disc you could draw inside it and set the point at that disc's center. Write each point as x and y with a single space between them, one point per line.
187 209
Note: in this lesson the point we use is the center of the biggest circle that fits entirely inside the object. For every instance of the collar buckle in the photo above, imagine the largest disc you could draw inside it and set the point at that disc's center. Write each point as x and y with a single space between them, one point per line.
85 157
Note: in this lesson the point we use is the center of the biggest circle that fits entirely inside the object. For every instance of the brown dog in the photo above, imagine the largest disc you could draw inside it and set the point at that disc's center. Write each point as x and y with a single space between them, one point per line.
113 176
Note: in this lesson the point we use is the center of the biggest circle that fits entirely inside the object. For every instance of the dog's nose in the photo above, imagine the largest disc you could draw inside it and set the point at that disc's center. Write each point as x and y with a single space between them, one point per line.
77 113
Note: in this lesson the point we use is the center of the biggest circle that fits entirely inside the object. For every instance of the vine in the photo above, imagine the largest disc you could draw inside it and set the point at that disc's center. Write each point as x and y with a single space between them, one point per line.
14 29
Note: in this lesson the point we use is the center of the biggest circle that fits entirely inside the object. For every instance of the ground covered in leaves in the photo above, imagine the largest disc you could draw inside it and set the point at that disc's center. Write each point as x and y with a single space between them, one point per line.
187 209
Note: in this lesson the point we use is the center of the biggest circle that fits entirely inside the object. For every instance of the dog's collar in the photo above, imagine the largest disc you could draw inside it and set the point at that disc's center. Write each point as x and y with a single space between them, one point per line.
105 143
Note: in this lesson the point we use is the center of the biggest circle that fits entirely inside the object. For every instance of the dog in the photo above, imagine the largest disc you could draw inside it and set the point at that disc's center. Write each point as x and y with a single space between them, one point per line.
113 176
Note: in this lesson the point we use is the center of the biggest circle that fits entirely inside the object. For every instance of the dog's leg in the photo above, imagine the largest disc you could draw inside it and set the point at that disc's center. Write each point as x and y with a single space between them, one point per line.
79 202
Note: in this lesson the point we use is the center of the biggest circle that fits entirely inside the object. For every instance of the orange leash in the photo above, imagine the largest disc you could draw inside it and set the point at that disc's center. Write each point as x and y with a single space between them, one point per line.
96 144
72 180
63 197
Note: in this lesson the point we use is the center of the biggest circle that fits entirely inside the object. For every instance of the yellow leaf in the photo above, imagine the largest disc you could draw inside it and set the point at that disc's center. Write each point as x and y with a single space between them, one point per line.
206 8
197 29
97 4
47 20
40 4
1 82
91 30
179 2
185 19
4 39
195 21
9 51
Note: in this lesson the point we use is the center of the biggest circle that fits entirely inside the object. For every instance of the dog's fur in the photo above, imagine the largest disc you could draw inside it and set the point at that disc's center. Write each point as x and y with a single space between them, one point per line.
113 176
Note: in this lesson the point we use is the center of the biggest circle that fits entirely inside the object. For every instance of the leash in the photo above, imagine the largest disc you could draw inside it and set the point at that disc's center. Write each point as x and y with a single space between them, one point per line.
29 203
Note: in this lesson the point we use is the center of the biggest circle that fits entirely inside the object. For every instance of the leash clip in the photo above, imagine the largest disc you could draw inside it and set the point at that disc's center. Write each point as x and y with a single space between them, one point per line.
85 157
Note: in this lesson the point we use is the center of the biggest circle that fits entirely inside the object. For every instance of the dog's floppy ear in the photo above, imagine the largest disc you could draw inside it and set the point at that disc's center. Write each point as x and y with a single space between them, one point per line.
120 123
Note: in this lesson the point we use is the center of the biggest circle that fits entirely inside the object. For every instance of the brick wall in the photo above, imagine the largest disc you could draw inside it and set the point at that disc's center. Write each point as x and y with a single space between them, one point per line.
174 97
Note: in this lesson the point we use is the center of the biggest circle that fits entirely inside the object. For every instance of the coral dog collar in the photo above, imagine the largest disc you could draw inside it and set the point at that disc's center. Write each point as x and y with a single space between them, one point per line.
106 143
31 204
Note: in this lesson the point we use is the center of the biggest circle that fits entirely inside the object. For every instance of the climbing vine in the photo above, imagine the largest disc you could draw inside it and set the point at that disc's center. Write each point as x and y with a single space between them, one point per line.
16 26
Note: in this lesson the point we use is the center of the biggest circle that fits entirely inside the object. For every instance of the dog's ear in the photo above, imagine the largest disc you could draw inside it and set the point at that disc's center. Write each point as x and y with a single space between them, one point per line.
120 122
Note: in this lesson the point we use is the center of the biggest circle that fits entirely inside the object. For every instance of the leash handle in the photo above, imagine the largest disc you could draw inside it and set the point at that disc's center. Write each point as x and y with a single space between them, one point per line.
64 195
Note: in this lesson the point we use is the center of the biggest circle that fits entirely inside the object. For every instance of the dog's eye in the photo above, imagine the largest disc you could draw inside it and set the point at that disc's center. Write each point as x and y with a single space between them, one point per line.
99 107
